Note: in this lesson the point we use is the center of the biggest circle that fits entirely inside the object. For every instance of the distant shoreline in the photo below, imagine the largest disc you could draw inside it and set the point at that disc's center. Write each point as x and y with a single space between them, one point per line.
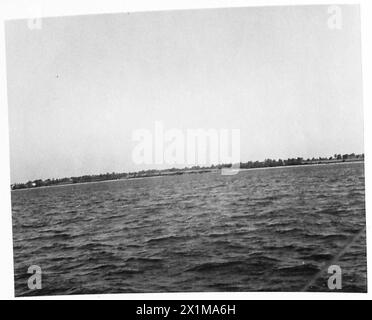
183 172
112 180
307 164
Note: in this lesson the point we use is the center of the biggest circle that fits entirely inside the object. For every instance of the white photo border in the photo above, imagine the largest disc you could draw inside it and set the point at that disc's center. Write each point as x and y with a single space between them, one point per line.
18 9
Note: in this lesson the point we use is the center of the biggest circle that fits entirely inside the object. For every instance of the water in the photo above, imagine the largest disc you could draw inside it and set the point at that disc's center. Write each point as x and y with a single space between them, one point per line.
261 230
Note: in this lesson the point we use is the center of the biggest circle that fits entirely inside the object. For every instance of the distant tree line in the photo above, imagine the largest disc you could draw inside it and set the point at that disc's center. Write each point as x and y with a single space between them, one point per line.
195 169
301 161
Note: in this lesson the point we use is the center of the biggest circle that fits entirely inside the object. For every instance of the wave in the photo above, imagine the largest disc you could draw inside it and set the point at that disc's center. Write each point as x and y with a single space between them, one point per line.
167 238
301 270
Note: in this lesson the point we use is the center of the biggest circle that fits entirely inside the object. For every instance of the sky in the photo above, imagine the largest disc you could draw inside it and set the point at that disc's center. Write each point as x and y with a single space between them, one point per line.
79 86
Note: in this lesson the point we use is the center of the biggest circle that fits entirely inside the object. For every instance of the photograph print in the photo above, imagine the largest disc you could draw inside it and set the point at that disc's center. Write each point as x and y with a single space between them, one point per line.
208 150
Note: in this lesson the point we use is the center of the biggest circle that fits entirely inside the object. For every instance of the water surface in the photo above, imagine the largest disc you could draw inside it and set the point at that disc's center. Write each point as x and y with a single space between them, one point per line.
261 230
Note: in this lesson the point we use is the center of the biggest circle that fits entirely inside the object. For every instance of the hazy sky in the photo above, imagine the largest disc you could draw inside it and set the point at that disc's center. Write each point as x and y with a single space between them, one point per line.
79 86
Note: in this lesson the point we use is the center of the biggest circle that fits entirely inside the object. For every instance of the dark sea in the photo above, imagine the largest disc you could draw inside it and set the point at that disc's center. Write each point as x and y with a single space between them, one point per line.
274 229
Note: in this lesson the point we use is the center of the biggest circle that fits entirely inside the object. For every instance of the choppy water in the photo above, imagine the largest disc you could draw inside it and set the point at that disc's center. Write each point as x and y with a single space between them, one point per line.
260 230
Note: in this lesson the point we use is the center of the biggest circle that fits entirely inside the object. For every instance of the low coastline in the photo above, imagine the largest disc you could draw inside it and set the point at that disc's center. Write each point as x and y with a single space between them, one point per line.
172 172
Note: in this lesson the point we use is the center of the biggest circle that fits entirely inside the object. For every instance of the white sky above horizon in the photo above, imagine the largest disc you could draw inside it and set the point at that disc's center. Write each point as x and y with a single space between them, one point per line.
79 86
